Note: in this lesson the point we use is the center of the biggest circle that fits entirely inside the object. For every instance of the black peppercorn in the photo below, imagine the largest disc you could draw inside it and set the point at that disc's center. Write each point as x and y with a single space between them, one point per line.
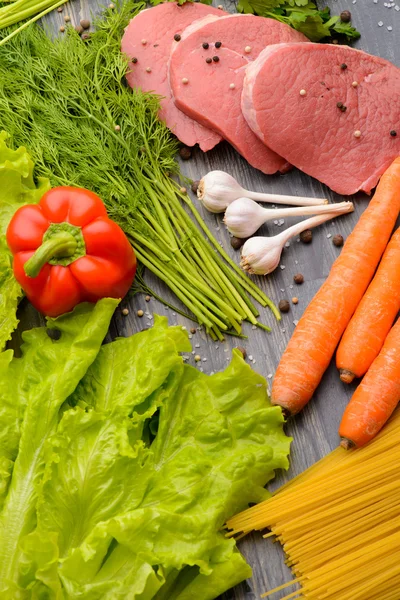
343 66
216 58
79 29
284 306
193 330
177 37
338 240
242 350
298 278
306 236
195 185
206 46
218 44
54 334
185 153
393 133
134 60
208 61
345 16
237 243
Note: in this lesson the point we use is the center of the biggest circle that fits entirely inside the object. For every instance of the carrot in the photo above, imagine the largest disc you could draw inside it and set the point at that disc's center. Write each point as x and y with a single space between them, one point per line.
370 324
318 332
376 397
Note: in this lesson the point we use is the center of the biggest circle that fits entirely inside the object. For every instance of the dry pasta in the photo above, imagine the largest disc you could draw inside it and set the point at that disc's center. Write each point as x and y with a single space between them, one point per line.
339 523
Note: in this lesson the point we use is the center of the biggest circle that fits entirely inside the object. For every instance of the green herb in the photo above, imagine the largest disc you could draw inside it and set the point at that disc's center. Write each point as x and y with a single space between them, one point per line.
68 102
17 187
302 15
122 490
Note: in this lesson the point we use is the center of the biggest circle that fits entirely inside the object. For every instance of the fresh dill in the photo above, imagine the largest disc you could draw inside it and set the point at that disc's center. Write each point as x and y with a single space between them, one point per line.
67 101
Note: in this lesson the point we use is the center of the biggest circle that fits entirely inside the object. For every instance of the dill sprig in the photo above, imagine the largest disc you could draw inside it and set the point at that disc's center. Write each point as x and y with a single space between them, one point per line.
67 101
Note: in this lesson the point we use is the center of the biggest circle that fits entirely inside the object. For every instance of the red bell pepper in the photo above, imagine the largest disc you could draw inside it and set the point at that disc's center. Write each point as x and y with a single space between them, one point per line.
66 250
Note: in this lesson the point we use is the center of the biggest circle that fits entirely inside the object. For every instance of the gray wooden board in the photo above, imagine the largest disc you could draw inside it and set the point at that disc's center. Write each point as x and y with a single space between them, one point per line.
315 430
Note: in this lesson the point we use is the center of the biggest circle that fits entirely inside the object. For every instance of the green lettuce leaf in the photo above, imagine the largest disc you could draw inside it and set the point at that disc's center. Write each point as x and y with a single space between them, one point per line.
33 389
17 187
134 516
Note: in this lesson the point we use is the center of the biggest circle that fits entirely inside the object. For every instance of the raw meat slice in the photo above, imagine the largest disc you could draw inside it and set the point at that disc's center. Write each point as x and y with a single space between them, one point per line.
148 38
210 92
331 111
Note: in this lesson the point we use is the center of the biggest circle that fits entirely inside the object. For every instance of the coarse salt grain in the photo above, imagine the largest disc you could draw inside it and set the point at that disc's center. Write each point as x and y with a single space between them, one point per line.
254 327
251 357
390 28
282 290
269 376
328 235
282 267
287 245
296 262
275 222
380 24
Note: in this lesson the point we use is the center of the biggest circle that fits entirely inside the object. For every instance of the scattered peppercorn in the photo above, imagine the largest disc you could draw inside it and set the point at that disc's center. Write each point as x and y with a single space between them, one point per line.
125 312
54 334
295 300
237 243
177 37
111 6
284 306
218 44
193 330
393 133
134 60
195 185
338 240
79 29
185 153
60 9
341 106
148 69
197 358
140 313
85 23
208 60
117 128
242 350
345 16
67 19
62 29
148 298
206 46
306 236
298 278
216 58
343 66
357 134
85 36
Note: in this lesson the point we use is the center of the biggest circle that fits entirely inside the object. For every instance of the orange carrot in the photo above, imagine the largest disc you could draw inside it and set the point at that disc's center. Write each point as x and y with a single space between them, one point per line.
376 397
319 330
370 324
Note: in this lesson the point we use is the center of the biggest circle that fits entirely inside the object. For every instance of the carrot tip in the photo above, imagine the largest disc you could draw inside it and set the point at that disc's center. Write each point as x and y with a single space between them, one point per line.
346 376
347 444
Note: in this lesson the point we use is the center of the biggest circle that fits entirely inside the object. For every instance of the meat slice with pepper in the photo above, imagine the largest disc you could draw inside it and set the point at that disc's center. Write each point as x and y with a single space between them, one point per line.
210 90
147 42
340 130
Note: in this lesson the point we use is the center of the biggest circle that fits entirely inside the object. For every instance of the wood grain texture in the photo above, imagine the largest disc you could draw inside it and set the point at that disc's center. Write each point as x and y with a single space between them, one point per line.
315 429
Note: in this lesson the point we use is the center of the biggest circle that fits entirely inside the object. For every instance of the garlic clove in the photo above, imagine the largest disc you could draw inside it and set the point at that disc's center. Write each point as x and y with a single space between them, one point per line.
261 255
217 190
243 217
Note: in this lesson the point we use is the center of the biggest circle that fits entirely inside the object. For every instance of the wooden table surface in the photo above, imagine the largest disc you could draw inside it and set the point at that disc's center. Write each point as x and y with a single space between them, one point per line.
315 429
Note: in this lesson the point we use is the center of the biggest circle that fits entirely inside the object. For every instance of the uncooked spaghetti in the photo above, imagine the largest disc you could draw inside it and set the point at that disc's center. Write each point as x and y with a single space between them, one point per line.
339 523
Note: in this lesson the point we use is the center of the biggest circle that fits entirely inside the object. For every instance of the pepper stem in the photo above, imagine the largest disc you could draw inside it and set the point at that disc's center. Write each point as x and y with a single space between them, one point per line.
62 244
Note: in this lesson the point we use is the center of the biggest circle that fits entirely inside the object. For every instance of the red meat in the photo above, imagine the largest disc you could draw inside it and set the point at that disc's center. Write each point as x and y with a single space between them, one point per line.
148 40
331 111
210 91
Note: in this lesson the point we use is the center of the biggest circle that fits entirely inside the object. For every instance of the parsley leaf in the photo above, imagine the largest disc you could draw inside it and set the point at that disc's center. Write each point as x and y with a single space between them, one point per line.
303 16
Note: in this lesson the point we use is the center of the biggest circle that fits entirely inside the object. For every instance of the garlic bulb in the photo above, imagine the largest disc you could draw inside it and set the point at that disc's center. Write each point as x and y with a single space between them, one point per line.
261 255
244 216
217 190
